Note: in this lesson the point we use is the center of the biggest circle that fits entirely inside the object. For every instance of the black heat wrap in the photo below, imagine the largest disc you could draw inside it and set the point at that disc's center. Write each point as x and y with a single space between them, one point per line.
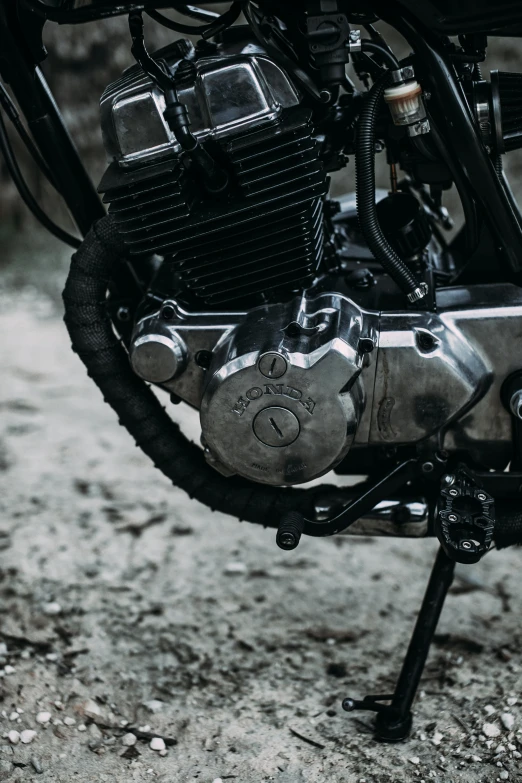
139 411
508 525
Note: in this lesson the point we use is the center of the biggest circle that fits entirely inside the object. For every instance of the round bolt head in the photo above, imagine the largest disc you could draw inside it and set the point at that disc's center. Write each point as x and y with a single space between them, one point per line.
449 479
348 705
516 404
466 545
452 517
276 427
482 497
157 358
454 493
272 365
427 467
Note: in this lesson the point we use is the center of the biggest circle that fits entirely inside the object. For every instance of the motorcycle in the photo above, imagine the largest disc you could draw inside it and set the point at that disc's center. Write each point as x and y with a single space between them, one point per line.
360 336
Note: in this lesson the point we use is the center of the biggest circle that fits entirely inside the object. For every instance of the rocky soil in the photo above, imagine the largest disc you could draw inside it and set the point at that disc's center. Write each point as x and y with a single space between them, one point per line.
133 619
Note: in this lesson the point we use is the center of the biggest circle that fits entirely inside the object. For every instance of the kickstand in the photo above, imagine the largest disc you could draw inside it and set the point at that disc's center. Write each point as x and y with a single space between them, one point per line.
394 720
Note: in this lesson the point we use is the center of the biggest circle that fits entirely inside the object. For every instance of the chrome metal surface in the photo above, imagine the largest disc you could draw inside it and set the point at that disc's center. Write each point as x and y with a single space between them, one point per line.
231 93
157 358
419 128
297 427
418 294
402 75
355 41
430 373
402 519
516 404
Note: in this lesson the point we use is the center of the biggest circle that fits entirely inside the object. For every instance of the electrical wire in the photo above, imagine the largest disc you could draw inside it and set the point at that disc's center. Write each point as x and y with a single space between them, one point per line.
215 27
11 111
25 193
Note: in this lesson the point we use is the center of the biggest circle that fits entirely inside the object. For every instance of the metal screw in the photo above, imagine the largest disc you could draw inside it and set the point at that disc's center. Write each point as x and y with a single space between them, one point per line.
454 493
427 467
272 365
123 314
448 479
466 544
168 313
482 497
366 345
516 404
453 517
348 705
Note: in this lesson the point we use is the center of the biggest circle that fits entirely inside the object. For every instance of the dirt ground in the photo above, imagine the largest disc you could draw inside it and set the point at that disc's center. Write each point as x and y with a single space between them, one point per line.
125 608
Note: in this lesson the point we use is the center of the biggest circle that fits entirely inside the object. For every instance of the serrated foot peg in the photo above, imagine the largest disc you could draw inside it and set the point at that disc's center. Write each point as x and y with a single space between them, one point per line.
290 530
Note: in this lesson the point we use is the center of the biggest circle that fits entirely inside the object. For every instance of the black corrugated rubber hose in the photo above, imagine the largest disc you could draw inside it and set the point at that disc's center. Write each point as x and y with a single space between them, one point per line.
139 411
365 190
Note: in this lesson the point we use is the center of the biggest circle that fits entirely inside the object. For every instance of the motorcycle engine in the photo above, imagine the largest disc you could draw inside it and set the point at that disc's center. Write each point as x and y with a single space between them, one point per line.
287 372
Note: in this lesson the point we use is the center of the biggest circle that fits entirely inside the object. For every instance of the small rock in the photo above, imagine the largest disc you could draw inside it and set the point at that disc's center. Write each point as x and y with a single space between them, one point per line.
504 775
9 669
507 720
491 730
235 568
145 729
3 648
89 708
154 705
414 760
217 780
82 727
27 736
43 717
13 716
129 739
36 765
489 709
163 752
14 737
52 608
477 759
157 743
69 721
511 701
437 738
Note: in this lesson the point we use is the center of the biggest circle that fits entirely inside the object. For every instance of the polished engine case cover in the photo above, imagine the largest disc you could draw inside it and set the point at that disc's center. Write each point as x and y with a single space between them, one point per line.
285 397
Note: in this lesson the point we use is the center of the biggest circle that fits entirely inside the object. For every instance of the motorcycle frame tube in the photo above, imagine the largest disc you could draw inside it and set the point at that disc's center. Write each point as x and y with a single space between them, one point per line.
465 144
19 69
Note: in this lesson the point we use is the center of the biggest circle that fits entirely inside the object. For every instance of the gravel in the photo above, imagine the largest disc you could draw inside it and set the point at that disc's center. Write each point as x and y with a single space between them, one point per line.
250 667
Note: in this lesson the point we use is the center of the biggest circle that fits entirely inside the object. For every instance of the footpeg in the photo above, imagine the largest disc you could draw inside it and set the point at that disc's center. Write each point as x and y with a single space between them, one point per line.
466 518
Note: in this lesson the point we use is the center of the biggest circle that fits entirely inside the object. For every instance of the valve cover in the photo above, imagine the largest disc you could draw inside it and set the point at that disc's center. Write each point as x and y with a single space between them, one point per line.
285 395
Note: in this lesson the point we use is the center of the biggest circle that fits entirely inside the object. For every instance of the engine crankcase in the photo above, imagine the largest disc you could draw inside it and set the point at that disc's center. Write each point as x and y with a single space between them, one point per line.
285 394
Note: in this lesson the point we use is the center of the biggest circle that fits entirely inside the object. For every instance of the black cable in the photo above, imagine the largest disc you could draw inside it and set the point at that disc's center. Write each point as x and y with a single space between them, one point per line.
201 14
386 55
12 112
205 31
25 193
365 192
301 77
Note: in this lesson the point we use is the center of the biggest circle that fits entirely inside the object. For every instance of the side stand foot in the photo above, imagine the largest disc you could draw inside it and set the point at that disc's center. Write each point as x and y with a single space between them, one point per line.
394 720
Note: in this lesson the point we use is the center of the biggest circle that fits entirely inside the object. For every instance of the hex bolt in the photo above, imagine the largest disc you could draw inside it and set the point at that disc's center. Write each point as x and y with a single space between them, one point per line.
427 467
448 479
454 493
482 497
466 545
453 517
